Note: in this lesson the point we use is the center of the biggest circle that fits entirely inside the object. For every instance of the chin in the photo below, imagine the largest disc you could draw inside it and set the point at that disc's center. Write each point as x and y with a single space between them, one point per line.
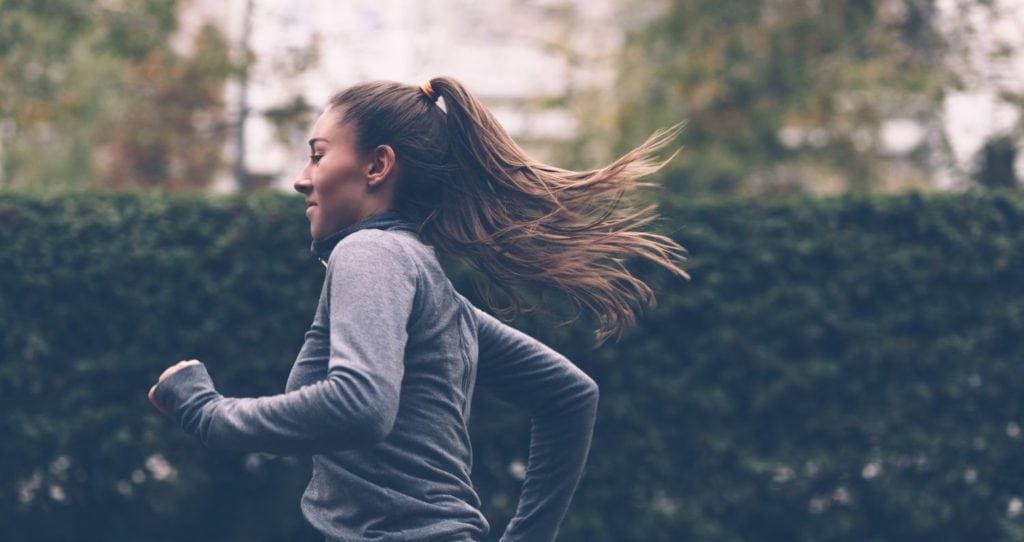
315 231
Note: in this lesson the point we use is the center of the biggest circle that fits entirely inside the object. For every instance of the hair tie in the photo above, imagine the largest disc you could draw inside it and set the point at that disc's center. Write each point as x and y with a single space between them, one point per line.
429 91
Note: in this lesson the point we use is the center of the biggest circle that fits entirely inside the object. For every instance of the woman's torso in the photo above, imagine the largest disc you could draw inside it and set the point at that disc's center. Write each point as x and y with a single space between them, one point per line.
415 484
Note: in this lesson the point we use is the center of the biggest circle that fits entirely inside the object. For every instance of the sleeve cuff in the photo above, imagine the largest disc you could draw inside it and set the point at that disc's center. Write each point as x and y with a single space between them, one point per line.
183 388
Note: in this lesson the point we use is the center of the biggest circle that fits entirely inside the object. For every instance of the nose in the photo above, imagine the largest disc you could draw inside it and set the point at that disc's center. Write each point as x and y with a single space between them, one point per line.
303 184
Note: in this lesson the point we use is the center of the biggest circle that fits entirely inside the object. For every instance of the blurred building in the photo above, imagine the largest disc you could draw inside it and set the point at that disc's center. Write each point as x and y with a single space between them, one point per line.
522 58
529 61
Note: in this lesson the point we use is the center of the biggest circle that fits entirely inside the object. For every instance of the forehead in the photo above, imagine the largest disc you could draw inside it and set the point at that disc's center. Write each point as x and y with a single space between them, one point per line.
329 126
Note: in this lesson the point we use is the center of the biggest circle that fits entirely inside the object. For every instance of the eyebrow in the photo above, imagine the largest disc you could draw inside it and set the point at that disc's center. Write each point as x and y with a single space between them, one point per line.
315 139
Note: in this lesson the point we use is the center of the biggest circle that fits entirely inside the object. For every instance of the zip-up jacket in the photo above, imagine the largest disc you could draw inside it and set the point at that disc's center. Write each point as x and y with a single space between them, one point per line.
380 395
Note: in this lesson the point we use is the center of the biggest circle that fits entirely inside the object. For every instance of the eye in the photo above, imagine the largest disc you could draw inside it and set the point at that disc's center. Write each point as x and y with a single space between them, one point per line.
315 158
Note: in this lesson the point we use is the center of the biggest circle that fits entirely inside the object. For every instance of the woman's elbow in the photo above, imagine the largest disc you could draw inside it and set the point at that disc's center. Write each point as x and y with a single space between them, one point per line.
374 423
364 418
591 391
367 429
377 426
580 396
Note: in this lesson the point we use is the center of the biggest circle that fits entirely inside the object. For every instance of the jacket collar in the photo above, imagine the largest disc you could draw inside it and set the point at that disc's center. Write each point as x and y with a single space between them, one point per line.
389 220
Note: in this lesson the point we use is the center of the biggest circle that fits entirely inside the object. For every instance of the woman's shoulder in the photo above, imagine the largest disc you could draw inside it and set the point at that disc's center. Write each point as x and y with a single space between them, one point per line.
376 246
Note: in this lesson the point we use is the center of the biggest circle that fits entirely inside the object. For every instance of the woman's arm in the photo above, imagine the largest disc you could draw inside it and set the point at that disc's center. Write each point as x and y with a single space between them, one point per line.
371 289
562 402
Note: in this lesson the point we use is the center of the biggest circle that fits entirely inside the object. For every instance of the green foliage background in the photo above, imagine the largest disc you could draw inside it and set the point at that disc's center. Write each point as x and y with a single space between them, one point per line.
839 369
94 94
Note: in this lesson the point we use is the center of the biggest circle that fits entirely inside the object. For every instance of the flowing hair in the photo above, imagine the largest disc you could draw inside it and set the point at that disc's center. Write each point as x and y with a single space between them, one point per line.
476 195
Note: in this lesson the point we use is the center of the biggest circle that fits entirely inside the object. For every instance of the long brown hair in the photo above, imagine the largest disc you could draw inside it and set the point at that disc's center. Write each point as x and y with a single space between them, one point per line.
477 195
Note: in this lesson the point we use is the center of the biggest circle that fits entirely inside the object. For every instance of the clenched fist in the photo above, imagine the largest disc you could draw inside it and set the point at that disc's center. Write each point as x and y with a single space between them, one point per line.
168 372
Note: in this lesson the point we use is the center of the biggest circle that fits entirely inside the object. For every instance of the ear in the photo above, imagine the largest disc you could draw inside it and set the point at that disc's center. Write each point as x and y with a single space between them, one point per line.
382 165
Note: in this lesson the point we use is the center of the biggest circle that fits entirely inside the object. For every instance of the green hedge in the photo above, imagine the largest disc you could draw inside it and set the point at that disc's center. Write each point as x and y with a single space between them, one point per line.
841 369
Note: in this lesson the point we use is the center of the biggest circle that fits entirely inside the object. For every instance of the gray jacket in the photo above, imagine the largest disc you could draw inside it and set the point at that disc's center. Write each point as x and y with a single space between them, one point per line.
380 397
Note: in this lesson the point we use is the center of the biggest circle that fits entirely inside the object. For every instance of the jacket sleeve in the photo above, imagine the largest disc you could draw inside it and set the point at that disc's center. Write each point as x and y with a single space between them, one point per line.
562 403
371 286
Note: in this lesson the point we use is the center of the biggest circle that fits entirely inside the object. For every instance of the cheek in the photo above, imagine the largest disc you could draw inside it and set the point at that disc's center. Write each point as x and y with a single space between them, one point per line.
337 183
318 176
337 196
329 177
329 191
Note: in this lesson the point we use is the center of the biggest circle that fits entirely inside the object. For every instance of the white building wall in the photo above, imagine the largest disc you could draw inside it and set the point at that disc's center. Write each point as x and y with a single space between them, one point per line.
500 49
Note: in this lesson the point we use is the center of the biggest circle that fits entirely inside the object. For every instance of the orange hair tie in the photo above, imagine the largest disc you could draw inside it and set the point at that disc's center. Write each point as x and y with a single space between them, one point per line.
429 91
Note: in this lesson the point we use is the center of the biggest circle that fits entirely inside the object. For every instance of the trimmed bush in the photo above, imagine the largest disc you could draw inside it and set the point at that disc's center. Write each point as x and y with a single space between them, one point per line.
841 369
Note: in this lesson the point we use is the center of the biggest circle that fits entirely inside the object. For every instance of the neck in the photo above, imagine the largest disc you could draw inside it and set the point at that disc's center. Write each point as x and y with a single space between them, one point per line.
386 220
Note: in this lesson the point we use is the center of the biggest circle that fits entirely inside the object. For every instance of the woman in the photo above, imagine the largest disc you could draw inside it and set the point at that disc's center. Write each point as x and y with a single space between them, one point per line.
380 393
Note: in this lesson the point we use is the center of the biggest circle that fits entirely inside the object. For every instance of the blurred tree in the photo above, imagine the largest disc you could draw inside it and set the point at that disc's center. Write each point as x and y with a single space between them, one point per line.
92 94
780 93
290 119
292 116
172 128
995 168
576 36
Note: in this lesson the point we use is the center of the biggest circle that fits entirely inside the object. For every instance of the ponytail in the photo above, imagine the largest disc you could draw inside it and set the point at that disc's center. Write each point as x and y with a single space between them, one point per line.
477 195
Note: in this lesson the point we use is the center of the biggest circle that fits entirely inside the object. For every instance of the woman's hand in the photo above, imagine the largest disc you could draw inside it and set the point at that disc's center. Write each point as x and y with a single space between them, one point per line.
168 372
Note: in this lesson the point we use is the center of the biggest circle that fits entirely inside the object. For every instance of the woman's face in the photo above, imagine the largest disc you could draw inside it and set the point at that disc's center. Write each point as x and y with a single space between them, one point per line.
336 177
